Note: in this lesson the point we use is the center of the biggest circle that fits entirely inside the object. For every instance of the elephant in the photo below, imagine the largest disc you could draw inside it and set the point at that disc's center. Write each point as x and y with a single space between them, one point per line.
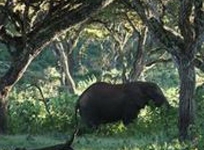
107 103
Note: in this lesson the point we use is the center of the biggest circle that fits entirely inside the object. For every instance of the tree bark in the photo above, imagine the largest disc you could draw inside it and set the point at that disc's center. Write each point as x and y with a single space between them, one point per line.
186 71
139 62
3 116
12 76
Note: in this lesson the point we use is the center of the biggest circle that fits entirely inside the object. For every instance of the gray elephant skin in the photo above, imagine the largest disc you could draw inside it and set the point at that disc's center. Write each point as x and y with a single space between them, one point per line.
106 103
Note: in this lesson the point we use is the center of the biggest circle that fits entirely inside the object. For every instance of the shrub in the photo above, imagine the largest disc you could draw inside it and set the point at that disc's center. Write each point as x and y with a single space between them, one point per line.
31 116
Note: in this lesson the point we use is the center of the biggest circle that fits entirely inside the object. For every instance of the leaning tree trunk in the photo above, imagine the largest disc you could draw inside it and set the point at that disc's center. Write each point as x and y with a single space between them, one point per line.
12 76
187 86
69 81
139 62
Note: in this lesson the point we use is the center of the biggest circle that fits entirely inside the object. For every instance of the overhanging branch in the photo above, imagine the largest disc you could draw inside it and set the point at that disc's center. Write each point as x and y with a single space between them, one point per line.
199 17
199 64
168 38
70 18
185 26
161 60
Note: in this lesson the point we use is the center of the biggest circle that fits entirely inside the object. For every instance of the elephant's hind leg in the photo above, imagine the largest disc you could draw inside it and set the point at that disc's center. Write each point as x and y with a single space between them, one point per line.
90 120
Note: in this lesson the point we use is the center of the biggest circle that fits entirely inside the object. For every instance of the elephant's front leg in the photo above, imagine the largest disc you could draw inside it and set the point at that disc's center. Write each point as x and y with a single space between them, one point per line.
129 116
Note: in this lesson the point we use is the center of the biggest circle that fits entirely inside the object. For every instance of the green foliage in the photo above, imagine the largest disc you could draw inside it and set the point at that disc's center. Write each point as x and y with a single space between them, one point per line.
62 113
199 126
164 75
31 116
155 128
24 116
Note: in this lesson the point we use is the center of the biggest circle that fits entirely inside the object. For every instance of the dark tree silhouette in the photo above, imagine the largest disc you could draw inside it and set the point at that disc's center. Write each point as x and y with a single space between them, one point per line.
33 25
182 45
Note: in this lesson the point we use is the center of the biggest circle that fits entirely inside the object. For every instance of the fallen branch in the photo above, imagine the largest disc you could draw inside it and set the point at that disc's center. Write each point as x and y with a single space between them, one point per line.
64 146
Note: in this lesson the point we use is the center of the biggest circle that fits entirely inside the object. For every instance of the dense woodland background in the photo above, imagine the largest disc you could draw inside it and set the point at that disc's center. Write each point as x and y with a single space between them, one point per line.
71 46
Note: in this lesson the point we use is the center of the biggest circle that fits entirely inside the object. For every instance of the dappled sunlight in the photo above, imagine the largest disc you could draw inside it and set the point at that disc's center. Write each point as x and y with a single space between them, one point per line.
172 95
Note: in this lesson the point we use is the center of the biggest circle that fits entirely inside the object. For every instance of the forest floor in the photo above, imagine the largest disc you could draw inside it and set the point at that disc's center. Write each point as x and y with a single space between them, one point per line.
91 142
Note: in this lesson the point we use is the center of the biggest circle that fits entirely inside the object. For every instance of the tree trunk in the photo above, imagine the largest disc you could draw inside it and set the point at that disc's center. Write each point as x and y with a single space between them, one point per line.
12 76
33 38
63 58
139 63
3 116
186 104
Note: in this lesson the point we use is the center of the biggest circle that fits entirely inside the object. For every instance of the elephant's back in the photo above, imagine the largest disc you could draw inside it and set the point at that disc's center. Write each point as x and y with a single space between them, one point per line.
102 97
100 92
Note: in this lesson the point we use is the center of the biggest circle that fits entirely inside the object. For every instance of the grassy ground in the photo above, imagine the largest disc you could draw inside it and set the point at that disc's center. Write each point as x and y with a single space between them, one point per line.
10 142
93 142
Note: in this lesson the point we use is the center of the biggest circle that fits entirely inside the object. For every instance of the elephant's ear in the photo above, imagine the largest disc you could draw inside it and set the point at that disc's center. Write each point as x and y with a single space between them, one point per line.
141 103
137 97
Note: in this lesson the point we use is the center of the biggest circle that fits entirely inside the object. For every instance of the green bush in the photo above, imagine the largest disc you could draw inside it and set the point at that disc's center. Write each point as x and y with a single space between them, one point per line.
31 116
23 117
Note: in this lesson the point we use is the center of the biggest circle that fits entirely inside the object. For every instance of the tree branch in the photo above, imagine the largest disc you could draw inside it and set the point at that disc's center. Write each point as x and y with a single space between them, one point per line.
199 17
185 26
63 146
44 100
173 42
36 41
161 60
139 8
199 64
138 63
68 19
198 24
114 33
